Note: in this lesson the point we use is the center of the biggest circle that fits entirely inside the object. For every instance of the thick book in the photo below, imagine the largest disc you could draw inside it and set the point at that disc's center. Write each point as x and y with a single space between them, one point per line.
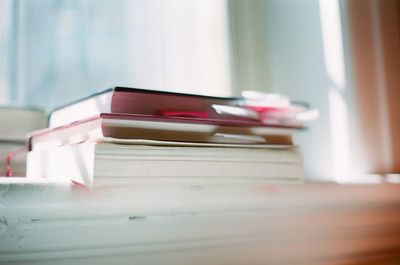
158 162
123 100
153 127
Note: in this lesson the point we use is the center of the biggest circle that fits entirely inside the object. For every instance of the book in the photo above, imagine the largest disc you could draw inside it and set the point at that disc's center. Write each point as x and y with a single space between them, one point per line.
143 161
16 123
123 100
150 127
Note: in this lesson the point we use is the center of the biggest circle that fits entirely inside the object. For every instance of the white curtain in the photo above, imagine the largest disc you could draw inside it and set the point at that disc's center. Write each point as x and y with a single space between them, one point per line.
67 49
5 50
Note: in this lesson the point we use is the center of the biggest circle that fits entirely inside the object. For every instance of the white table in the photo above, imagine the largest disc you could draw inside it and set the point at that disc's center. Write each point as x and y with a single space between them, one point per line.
55 223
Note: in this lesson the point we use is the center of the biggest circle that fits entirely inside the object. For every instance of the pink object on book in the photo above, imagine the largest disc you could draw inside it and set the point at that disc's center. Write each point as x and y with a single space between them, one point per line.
10 156
180 113
262 109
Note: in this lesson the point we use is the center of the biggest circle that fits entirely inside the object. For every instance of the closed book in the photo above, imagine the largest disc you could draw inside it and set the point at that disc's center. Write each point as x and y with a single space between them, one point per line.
167 162
152 127
123 100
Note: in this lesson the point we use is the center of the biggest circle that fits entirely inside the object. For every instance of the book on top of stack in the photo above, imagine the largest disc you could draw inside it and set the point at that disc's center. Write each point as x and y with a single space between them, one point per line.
125 135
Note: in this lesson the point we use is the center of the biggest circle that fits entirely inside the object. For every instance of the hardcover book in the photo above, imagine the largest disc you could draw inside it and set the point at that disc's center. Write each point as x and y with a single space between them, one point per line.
151 127
123 100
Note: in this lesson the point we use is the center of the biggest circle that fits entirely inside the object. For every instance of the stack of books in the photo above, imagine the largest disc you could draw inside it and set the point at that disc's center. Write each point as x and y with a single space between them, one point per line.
126 136
15 124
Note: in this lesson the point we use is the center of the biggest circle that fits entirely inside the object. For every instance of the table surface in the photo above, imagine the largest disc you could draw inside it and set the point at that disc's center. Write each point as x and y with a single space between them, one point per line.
58 223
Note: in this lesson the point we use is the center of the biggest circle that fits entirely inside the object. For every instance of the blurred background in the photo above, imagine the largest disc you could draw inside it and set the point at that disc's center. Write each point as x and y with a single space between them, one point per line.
341 56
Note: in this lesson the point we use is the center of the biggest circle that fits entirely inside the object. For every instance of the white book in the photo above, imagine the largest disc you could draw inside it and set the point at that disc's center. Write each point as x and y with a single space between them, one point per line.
166 162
